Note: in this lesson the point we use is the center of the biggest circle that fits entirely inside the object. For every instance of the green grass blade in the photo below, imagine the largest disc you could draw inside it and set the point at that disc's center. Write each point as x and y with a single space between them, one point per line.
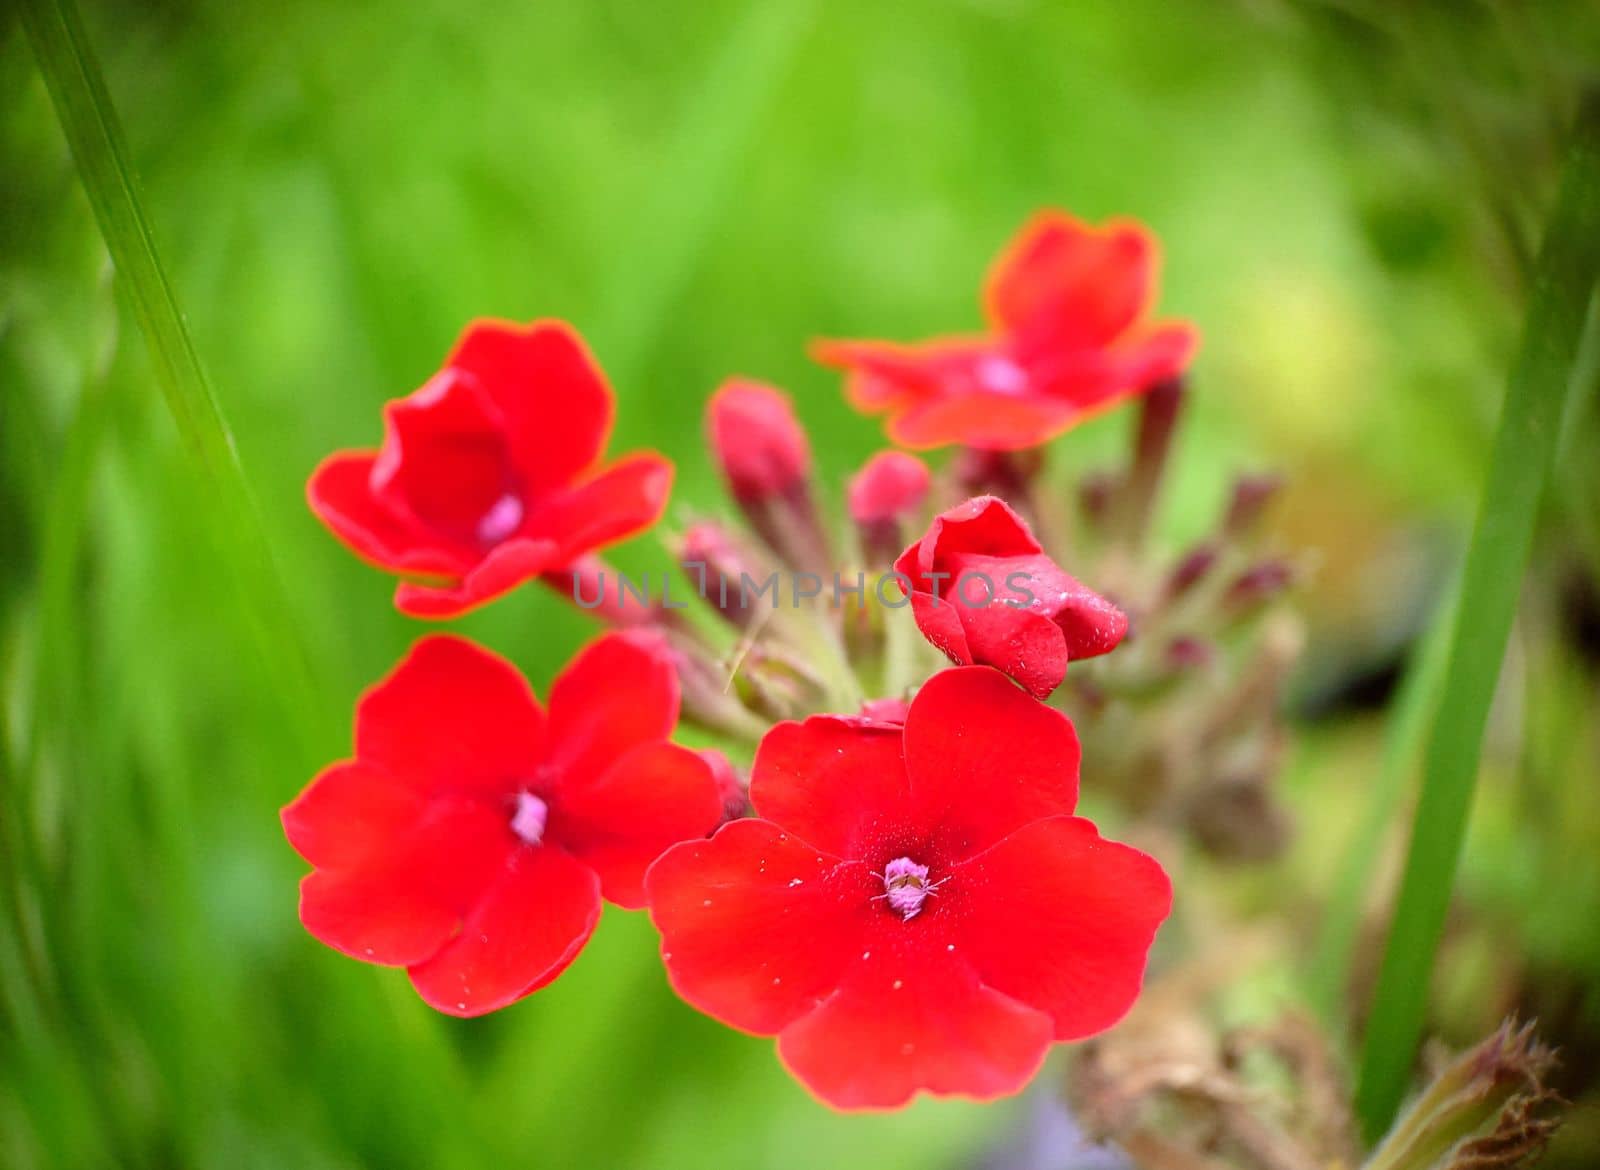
1524 449
83 106
1415 701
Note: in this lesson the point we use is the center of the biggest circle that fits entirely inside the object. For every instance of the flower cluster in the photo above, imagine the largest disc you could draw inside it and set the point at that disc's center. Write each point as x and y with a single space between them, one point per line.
898 887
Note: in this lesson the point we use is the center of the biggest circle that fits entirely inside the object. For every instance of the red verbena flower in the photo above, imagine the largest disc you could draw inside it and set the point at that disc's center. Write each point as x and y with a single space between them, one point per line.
1069 335
984 591
912 908
490 474
472 836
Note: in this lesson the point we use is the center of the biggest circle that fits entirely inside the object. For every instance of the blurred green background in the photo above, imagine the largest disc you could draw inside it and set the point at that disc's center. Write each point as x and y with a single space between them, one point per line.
1347 194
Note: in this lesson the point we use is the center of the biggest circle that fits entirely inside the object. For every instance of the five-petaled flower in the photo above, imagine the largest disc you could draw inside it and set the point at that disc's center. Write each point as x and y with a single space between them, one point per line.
1069 336
912 908
984 591
472 836
490 474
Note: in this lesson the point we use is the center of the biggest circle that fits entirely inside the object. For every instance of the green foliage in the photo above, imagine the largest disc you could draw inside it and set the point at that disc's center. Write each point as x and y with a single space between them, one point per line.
330 191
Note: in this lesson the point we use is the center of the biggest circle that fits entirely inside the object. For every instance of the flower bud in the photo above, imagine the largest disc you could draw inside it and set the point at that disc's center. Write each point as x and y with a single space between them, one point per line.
1251 495
721 569
764 456
890 487
757 440
984 591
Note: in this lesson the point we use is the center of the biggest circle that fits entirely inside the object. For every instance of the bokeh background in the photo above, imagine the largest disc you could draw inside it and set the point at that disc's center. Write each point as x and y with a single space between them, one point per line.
1348 195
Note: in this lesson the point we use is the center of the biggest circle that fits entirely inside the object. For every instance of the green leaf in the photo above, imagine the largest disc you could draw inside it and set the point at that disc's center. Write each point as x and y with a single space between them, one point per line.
1520 462
83 105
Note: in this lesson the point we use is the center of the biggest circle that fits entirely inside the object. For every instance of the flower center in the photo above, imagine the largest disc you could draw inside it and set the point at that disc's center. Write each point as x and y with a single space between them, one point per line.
529 819
502 519
905 886
1001 375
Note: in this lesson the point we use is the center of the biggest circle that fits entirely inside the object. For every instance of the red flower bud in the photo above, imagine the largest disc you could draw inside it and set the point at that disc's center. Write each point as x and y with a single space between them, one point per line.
983 591
757 440
890 487
764 456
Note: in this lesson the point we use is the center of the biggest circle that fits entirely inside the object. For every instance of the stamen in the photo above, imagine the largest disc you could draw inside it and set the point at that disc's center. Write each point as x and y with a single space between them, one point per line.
529 820
502 519
905 886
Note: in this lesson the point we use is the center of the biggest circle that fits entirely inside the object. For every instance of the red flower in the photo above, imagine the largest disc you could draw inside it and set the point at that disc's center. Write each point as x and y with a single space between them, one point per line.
983 590
757 440
472 836
913 908
490 473
1069 336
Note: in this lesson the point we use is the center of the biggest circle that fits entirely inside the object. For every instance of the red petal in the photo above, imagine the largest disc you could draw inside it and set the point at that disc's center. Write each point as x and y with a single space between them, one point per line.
555 401
755 926
939 622
445 462
991 422
1093 381
349 813
1063 284
452 717
838 784
502 570
528 925
1060 919
985 759
621 501
401 905
619 692
653 797
340 494
913 1016
883 375
1028 647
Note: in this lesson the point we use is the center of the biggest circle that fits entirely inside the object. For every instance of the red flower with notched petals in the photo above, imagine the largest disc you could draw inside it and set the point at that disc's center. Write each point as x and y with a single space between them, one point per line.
1069 336
983 591
473 835
490 474
912 908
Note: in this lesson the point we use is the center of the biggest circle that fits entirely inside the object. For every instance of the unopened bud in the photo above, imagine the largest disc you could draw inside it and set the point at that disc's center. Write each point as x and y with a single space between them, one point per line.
764 456
1251 495
1489 1110
889 488
1258 585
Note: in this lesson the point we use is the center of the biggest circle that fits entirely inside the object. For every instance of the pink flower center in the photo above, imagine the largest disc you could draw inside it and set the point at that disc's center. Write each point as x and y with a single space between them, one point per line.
502 519
529 819
1001 375
905 886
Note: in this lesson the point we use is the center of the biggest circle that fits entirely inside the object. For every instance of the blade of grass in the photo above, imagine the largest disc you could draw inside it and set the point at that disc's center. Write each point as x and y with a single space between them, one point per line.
1524 449
88 119
1415 701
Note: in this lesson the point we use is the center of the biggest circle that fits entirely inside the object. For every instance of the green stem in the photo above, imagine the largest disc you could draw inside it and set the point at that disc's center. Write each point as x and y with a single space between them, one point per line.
77 89
1524 449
